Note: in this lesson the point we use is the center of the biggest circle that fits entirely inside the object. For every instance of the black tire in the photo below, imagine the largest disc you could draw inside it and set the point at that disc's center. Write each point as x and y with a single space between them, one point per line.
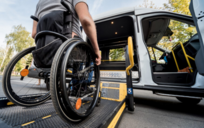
8 84
99 100
58 86
188 100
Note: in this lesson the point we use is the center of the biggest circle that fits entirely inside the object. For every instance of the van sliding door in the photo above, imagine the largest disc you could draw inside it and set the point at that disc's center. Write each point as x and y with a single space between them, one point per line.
197 11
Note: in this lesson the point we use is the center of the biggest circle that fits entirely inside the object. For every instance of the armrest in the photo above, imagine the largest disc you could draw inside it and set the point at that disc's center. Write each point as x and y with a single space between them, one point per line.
34 18
42 33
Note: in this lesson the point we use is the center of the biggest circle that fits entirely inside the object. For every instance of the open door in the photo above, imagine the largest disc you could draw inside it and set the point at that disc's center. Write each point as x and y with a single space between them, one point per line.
197 11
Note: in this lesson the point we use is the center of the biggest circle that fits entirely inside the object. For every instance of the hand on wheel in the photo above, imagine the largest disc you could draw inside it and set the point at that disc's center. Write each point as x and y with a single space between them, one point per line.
98 58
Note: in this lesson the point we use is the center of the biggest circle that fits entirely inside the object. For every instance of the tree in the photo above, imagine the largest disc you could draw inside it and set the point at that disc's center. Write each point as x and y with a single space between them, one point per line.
2 57
181 31
16 41
182 7
19 39
178 6
147 4
117 54
8 57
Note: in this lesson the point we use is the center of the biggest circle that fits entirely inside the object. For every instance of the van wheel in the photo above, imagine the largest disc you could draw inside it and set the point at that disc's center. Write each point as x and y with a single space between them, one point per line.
188 100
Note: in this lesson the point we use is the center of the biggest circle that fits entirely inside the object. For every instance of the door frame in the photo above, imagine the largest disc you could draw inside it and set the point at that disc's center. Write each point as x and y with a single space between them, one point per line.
146 77
197 11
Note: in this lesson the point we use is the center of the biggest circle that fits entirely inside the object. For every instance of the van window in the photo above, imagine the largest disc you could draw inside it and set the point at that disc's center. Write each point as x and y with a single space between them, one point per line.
155 55
117 54
182 32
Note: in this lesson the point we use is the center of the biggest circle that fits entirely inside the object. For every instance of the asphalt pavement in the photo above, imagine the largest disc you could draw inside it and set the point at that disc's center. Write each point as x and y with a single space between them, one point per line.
28 86
152 111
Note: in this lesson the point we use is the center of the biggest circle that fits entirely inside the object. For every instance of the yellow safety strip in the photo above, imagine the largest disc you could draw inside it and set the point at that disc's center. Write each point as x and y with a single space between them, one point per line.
175 60
117 117
110 99
69 71
46 116
28 123
10 103
131 54
186 56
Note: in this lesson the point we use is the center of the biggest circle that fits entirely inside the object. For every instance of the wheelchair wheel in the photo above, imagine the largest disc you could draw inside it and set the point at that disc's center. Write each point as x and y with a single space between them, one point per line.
74 81
18 87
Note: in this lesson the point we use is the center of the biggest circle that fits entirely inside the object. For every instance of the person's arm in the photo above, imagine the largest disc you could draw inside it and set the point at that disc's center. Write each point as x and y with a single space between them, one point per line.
35 23
89 27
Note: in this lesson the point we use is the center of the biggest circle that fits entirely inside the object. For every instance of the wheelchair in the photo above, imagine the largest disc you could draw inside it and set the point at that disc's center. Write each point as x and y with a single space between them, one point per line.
72 82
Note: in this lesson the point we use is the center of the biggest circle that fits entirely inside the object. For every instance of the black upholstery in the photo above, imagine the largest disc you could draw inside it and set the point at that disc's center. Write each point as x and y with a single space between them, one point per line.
52 30
191 47
174 77
154 30
112 65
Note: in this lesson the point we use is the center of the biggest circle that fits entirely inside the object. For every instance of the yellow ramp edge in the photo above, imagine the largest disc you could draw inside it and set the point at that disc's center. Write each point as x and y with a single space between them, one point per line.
117 117
28 123
46 116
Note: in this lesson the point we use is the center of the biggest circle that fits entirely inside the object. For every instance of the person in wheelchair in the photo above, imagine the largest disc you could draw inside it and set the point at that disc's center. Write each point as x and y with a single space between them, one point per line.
65 62
49 17
51 14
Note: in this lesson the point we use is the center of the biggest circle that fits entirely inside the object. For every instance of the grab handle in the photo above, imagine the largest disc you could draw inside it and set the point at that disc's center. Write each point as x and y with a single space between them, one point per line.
131 54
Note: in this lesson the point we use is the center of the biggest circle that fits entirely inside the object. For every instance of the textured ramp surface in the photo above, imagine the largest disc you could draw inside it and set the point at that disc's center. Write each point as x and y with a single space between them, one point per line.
16 116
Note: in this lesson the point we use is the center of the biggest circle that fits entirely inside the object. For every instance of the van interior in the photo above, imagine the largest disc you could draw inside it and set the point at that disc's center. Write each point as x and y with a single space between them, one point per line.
168 62
112 39
171 46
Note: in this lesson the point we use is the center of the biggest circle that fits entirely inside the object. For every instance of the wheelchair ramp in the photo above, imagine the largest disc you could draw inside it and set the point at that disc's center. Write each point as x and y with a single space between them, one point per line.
44 116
